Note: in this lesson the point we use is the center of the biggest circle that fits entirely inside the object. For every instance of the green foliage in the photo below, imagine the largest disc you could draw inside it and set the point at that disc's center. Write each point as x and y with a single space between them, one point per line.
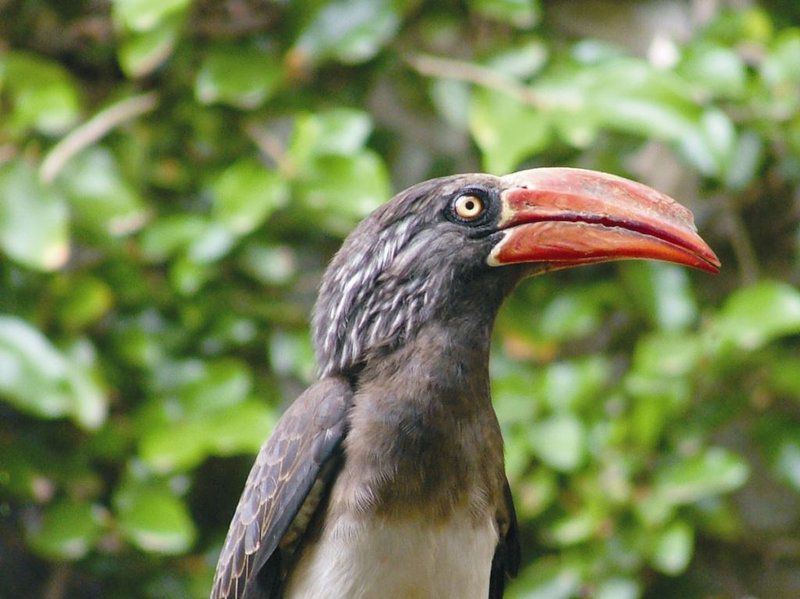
175 174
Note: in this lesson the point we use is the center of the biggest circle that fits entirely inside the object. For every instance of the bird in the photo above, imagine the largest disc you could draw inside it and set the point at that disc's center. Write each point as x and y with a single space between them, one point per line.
385 478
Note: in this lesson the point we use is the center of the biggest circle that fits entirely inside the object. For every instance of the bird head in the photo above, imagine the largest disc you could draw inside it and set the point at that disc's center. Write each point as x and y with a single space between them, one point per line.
452 248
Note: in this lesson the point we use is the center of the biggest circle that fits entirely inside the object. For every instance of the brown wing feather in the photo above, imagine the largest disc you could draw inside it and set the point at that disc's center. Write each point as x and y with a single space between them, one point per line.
505 563
307 436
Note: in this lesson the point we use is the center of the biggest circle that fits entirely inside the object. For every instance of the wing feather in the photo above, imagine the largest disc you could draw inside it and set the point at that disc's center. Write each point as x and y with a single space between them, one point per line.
505 563
305 439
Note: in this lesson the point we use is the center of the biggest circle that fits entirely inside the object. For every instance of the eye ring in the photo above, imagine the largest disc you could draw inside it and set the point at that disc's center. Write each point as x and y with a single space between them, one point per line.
469 207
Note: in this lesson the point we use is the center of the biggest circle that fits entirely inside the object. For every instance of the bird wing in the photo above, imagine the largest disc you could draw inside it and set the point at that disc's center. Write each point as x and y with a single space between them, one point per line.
304 442
505 563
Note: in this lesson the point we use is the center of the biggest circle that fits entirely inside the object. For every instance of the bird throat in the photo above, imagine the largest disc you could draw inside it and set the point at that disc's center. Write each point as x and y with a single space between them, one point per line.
423 436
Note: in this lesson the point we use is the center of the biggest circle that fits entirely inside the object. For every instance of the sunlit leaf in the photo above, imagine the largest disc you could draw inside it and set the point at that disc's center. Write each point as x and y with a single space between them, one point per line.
618 588
42 93
712 472
240 76
559 442
66 530
341 131
102 198
154 519
245 194
661 292
667 354
146 15
714 69
546 579
345 189
142 52
33 218
350 31
673 548
521 13
754 316
38 378
506 130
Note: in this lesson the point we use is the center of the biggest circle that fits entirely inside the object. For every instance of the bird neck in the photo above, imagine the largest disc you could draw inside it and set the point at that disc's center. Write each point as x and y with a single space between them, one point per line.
423 435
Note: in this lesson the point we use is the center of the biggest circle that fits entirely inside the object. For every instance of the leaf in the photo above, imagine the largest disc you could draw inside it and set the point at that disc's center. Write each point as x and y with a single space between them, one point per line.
754 316
715 69
618 588
36 378
571 314
67 530
219 384
146 15
33 218
782 65
667 354
340 132
350 31
89 399
343 189
521 61
621 94
713 472
786 461
268 264
242 429
171 234
101 197
184 444
568 384
575 528
142 52
154 519
174 447
292 354
710 145
245 194
559 442
662 293
546 579
240 76
43 96
520 13
673 549
506 130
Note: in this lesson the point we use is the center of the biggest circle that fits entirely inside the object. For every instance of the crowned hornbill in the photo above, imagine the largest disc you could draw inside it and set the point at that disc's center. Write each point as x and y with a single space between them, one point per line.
385 478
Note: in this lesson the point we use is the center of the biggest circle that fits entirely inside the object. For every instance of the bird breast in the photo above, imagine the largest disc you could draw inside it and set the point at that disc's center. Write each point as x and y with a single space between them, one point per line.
403 559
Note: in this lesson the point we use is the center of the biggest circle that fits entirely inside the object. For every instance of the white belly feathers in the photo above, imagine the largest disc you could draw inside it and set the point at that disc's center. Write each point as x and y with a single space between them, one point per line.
397 559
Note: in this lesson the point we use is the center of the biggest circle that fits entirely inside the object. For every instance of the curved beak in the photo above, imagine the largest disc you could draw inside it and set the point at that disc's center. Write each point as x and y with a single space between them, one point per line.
567 217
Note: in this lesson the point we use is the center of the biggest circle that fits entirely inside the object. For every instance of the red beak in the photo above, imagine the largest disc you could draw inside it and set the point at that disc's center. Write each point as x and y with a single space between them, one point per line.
567 217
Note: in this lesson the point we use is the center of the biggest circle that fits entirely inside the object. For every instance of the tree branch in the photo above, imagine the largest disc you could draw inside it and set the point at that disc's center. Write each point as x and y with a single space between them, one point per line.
92 130
448 68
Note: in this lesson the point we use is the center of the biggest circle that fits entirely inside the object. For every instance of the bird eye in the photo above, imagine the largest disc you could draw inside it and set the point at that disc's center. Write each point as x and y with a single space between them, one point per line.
468 207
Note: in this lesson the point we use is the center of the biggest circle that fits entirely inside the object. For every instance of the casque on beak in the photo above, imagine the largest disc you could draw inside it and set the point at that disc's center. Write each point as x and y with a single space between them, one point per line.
567 217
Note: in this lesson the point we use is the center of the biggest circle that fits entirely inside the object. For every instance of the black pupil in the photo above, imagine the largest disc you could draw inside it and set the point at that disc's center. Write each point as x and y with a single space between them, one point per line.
470 205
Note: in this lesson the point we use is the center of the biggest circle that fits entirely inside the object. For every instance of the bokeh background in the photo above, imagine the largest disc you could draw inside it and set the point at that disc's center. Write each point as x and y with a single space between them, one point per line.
175 174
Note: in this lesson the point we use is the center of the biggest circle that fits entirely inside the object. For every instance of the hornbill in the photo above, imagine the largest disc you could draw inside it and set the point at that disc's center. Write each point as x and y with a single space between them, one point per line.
385 478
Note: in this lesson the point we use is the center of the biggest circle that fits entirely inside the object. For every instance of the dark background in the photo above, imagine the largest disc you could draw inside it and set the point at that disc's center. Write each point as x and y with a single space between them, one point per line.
175 174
